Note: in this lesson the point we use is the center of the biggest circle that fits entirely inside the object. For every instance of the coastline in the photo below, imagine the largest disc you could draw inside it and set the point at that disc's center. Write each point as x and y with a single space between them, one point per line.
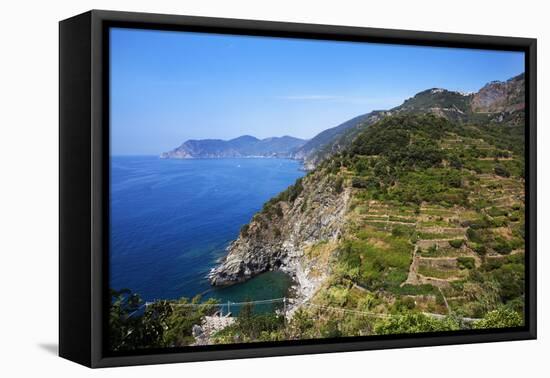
297 242
305 166
197 208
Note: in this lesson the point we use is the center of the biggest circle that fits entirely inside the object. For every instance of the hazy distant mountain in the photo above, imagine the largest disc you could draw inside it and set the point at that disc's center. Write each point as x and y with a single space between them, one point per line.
330 140
243 146
326 136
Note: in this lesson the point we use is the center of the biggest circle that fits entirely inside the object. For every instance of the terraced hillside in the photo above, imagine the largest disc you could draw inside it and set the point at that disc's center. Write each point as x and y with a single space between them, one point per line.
436 222
428 236
415 224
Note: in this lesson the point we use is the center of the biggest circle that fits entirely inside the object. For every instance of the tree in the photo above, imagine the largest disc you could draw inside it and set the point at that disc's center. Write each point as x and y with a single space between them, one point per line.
501 171
414 323
122 323
252 327
501 318
301 325
184 315
133 325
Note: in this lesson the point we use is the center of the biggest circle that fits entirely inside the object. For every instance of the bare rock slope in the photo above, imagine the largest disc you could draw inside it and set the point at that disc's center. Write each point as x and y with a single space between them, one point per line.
310 211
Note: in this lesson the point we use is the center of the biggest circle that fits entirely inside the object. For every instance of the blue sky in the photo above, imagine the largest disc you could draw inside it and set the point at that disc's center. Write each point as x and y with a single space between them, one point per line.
167 87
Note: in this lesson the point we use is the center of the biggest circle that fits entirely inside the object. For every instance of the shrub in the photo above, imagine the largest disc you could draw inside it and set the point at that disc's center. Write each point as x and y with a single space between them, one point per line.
455 162
279 210
401 230
511 279
405 303
496 212
501 171
457 243
302 325
414 323
432 249
466 262
473 235
502 246
330 329
359 182
339 184
479 248
501 318
365 183
251 327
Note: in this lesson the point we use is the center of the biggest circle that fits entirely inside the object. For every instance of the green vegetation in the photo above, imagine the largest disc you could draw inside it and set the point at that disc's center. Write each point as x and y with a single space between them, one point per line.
430 271
415 323
456 243
466 262
375 260
435 225
501 318
251 327
444 186
135 325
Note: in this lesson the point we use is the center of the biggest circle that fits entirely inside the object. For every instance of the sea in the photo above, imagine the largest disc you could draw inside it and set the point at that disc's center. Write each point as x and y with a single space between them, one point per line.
172 220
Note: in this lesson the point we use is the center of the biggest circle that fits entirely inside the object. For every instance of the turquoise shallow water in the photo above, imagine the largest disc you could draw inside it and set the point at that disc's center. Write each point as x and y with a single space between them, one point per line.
172 219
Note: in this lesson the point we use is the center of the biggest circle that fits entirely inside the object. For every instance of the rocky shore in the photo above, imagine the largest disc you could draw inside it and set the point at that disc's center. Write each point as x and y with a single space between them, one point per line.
278 237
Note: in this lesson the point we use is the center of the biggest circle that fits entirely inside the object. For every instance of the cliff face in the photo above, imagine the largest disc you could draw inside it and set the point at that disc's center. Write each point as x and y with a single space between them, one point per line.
501 96
310 211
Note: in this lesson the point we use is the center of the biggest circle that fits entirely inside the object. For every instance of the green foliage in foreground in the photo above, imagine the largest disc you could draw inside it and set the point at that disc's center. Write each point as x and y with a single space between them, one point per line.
404 162
415 323
132 325
508 273
252 327
165 324
130 330
501 318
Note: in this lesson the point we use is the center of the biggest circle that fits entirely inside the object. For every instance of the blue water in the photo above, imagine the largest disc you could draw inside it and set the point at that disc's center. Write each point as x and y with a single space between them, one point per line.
172 219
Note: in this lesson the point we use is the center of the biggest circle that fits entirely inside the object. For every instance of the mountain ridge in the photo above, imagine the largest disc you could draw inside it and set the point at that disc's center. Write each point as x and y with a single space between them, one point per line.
414 212
242 146
496 102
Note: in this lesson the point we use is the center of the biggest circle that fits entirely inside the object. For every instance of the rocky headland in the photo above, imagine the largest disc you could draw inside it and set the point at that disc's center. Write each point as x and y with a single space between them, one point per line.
280 236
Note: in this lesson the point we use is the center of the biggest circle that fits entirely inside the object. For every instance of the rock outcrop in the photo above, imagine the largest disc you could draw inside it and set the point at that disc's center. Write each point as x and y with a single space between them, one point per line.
501 96
310 211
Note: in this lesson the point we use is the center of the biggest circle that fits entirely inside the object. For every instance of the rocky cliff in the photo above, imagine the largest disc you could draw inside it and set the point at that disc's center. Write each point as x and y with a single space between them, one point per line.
309 212
500 96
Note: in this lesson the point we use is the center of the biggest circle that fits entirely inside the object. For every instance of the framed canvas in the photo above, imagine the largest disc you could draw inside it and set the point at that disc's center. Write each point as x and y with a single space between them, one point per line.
235 188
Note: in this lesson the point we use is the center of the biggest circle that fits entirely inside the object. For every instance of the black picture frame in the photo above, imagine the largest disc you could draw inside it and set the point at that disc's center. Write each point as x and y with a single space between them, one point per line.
84 185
